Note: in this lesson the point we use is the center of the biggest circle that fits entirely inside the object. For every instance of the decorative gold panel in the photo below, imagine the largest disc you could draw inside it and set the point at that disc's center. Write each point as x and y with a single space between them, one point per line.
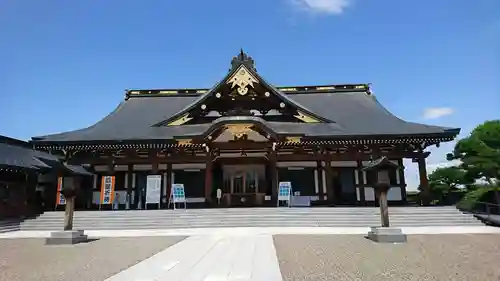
243 79
325 88
184 141
181 120
238 130
292 139
167 92
306 118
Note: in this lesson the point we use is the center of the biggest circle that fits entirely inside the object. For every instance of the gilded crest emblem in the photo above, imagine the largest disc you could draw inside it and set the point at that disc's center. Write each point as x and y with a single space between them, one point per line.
242 79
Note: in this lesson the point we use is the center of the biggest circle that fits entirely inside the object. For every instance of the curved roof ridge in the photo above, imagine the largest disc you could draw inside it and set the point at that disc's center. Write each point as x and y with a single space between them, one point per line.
374 98
111 114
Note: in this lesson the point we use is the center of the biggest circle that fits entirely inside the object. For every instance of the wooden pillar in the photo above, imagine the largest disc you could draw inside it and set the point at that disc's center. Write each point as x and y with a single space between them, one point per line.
130 177
273 172
111 168
361 179
69 211
208 178
402 181
319 178
328 172
169 181
424 182
154 167
384 209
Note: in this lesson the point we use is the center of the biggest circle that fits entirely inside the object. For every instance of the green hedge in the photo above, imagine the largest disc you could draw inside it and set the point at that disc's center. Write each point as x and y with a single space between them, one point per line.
470 201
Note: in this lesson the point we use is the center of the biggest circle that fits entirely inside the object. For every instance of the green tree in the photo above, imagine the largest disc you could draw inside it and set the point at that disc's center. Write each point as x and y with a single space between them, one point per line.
479 153
446 180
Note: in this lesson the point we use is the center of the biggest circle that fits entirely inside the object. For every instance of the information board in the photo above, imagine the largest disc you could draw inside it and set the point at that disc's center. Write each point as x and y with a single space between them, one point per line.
153 189
284 192
178 194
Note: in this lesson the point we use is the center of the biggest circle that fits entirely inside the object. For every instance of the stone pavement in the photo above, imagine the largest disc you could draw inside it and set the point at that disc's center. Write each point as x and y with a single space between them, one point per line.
210 258
245 254
258 231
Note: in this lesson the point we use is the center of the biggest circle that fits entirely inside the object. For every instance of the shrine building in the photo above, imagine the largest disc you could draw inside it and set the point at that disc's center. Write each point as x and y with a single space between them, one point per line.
244 136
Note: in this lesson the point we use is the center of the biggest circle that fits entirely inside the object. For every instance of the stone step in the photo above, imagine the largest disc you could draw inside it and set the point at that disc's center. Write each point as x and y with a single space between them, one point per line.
187 226
146 214
252 223
270 218
249 223
9 226
272 209
253 217
169 218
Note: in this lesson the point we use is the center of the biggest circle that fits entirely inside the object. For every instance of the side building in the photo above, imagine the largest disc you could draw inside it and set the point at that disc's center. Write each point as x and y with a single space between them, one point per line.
29 179
245 135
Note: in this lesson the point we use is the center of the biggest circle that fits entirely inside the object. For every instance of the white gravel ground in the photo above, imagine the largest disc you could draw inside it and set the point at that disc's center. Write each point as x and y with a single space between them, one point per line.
460 257
31 260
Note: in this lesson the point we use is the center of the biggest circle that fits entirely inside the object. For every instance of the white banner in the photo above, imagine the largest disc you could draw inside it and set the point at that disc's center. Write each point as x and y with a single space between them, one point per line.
153 189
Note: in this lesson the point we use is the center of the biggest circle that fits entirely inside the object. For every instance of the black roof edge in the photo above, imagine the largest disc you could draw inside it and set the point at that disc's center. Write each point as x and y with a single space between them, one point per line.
262 80
195 102
446 133
294 89
13 141
104 142
239 120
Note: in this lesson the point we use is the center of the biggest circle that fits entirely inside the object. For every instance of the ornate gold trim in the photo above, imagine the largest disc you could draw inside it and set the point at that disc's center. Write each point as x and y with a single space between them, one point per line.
288 89
238 130
243 79
325 88
184 141
181 120
306 118
292 139
168 92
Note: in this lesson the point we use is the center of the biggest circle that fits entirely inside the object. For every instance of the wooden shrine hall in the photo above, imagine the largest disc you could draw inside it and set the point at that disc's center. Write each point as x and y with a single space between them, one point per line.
245 135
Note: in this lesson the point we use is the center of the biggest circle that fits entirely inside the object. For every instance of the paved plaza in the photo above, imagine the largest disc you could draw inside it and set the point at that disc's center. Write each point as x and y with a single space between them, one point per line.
261 254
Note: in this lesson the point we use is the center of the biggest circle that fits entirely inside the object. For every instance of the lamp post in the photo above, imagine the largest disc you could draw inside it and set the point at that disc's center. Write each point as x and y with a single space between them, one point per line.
68 235
381 168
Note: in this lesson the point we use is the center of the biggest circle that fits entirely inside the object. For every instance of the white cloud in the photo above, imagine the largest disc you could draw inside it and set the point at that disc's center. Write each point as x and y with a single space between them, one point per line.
332 7
437 112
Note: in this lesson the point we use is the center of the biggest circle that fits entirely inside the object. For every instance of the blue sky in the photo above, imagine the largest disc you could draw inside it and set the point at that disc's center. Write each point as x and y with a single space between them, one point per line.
65 64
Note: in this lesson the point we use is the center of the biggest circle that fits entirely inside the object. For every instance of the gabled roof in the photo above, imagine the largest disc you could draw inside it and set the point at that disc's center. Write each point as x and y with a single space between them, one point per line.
347 111
238 66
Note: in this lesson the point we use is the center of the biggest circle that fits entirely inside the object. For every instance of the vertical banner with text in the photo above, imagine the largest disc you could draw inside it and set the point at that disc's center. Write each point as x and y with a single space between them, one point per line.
60 200
107 190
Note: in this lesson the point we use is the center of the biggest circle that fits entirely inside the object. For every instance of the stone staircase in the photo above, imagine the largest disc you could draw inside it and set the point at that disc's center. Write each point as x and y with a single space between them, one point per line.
253 217
9 225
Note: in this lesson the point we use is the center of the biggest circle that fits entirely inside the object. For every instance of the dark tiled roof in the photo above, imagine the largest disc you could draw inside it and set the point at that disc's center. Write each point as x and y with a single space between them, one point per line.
353 114
18 155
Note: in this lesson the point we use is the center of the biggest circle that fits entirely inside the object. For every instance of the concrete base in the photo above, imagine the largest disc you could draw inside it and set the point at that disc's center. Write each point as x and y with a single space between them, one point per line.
69 237
387 235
